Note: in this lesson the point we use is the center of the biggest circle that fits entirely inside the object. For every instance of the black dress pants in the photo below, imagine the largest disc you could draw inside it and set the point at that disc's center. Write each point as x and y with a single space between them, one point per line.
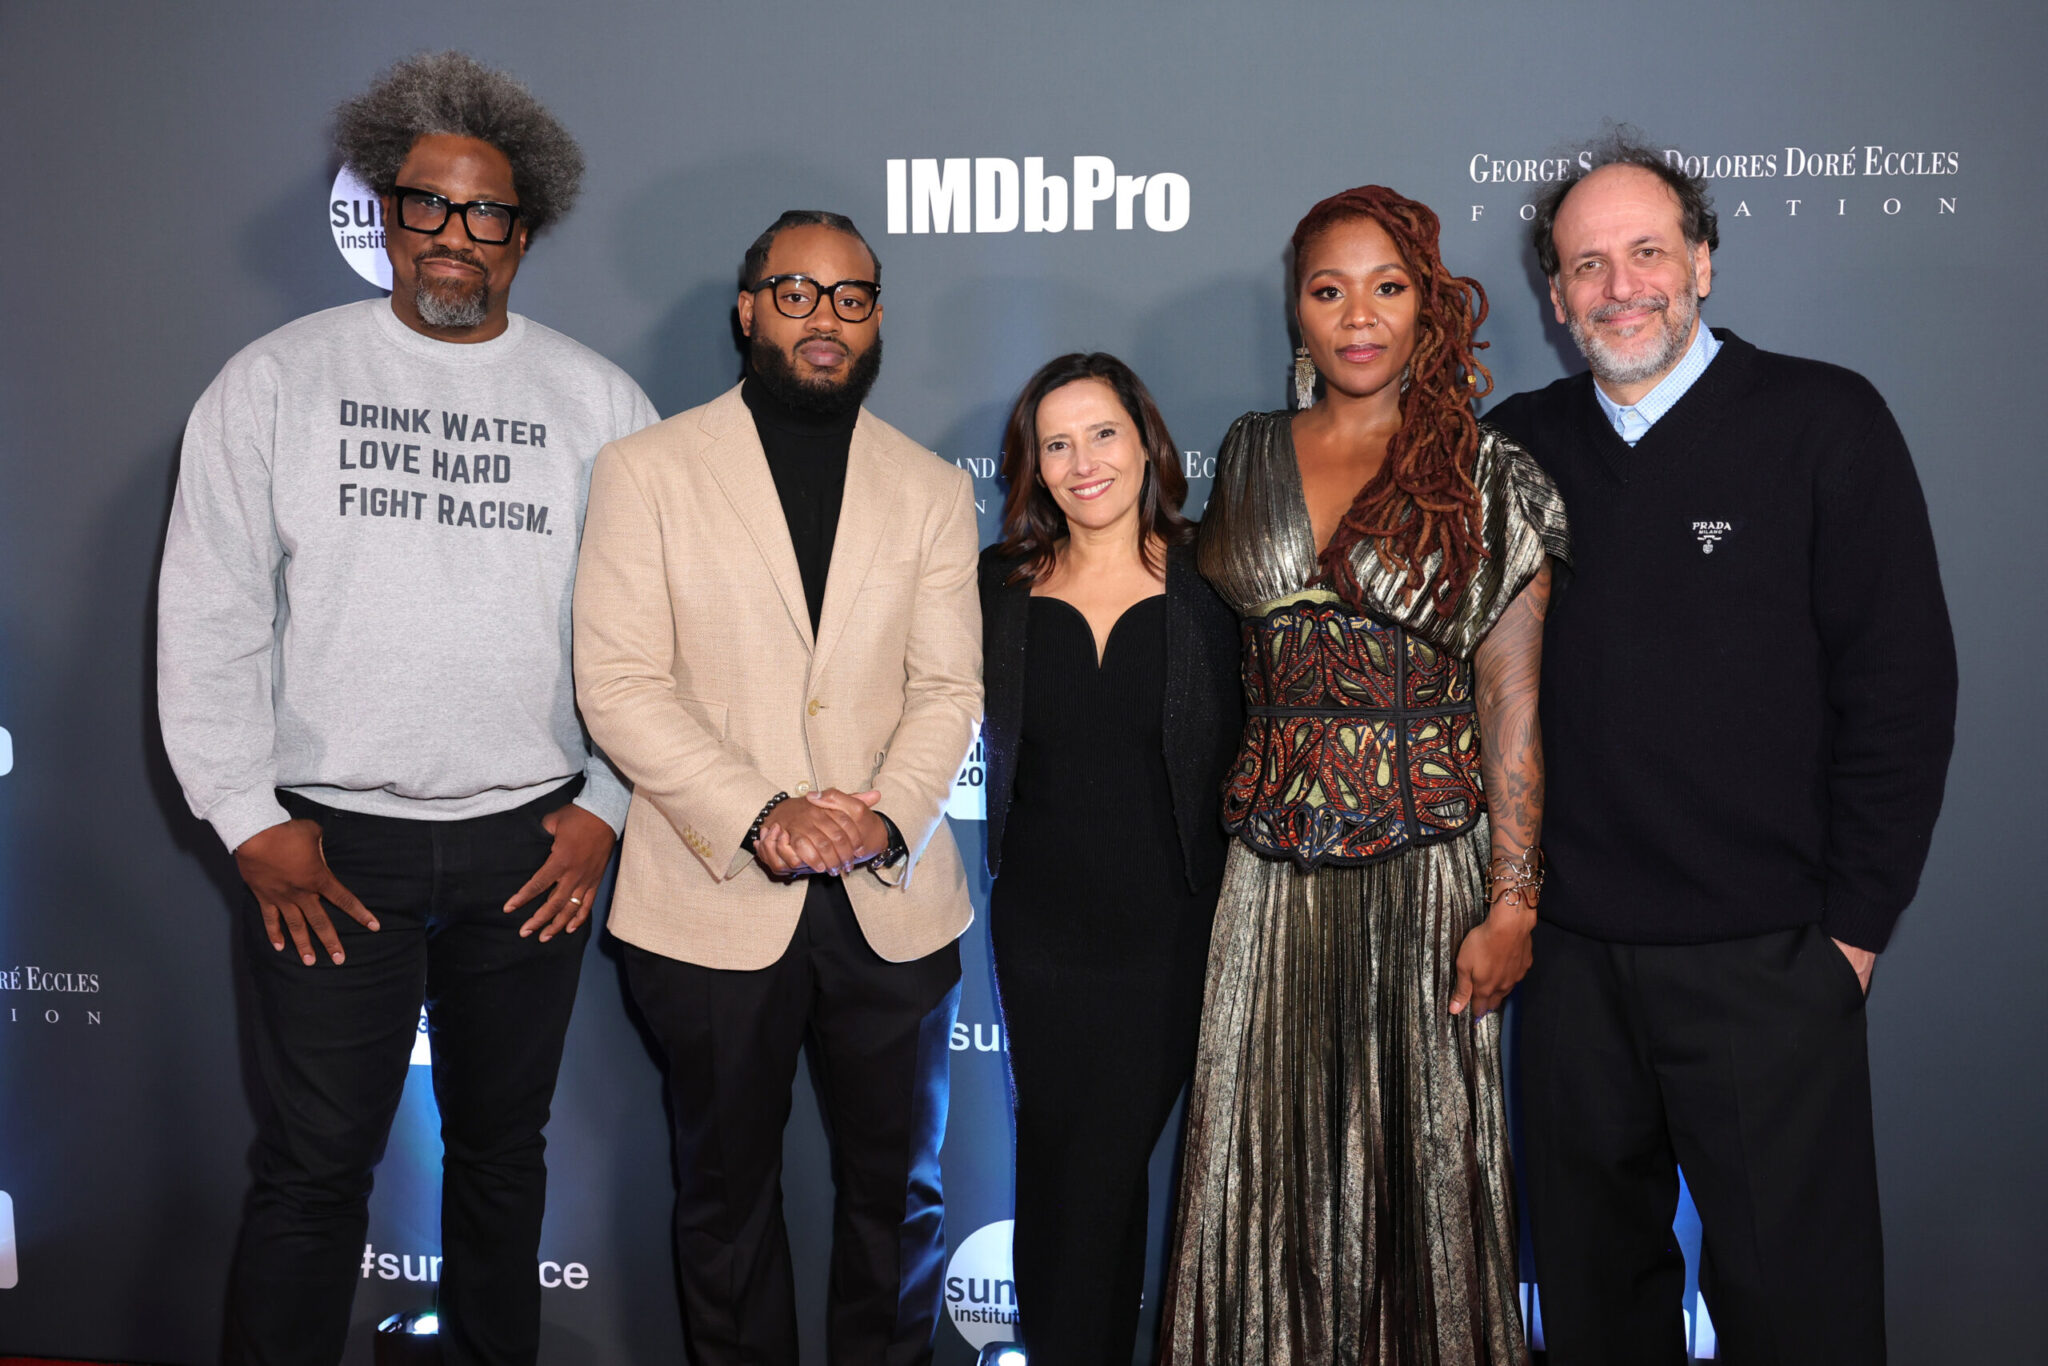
1743 1062
332 1046
1100 1046
879 1034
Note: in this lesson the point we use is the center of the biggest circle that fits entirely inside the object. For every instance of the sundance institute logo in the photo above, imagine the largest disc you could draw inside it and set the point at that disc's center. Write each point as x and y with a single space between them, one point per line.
356 218
981 1293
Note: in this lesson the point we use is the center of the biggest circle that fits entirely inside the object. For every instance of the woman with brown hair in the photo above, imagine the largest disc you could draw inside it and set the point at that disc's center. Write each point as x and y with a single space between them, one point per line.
1112 713
1346 1190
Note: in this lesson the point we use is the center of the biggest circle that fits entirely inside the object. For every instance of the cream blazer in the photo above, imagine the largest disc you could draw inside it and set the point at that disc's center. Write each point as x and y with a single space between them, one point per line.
698 675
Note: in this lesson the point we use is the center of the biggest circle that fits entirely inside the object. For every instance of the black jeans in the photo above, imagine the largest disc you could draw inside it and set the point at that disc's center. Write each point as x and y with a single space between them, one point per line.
879 1035
332 1046
1744 1063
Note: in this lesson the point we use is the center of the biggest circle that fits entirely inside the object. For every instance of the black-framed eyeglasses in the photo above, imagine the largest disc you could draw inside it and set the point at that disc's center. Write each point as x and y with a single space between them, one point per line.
485 220
796 296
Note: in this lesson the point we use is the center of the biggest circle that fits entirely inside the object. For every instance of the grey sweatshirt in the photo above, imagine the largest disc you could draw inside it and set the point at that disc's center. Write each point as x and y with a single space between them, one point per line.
366 583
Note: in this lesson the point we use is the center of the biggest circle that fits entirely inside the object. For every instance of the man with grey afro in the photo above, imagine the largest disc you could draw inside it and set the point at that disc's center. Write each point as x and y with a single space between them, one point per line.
364 681
452 92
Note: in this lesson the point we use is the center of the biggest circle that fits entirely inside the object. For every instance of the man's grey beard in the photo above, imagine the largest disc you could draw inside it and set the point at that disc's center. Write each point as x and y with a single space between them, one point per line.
1676 316
451 307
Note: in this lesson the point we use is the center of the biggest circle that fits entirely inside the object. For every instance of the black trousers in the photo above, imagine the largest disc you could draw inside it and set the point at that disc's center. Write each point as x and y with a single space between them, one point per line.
332 1046
1744 1063
879 1034
1100 1048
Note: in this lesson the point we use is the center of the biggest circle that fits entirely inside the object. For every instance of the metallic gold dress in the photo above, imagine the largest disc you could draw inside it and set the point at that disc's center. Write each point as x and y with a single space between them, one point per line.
1345 1193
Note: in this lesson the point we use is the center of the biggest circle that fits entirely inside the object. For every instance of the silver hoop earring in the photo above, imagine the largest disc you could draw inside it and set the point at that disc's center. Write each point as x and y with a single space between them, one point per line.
1304 378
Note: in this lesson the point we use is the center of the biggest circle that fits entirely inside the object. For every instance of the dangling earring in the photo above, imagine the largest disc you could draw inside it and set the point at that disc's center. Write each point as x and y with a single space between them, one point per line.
1304 378
1407 376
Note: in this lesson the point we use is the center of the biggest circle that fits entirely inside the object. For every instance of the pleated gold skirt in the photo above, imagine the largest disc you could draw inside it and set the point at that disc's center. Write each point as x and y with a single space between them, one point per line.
1346 1194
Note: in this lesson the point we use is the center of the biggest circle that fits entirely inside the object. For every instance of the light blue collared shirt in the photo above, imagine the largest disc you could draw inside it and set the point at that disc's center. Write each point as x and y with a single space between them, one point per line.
1632 422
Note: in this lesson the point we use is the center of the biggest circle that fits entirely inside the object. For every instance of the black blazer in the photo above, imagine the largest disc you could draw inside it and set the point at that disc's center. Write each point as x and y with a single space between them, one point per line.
1204 704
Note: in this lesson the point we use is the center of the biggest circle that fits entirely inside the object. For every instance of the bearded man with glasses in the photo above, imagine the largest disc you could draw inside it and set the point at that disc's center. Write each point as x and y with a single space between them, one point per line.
778 638
1748 706
363 675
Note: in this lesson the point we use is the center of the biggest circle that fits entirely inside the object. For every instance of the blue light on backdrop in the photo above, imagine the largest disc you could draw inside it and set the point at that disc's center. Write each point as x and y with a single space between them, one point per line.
409 1340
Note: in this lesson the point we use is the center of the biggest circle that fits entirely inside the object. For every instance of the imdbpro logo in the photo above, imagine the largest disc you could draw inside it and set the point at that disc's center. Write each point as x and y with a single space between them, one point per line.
990 194
10 1264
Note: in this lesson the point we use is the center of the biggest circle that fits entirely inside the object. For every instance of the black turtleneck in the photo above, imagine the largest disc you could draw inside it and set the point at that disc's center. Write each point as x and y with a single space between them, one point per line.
807 457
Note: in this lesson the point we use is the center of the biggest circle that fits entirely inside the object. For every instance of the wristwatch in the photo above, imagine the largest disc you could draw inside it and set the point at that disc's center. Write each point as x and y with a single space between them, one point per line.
897 850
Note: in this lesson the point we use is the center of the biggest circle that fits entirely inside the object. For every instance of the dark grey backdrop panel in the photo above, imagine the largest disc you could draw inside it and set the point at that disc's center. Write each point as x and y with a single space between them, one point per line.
168 183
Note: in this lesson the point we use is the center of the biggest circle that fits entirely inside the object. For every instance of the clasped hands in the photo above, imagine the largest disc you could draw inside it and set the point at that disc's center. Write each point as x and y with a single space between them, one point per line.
822 832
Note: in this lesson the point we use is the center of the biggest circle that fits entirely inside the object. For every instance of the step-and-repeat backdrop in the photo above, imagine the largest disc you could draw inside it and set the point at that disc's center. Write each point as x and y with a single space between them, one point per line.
1036 179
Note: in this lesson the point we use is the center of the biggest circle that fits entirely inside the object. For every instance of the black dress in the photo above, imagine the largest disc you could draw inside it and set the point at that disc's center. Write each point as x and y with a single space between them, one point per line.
1100 924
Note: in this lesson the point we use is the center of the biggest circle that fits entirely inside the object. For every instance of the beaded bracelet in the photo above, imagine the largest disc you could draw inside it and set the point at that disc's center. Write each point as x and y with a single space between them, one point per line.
754 830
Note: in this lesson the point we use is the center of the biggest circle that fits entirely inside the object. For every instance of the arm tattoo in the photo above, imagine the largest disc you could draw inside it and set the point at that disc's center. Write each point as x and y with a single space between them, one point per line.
1510 667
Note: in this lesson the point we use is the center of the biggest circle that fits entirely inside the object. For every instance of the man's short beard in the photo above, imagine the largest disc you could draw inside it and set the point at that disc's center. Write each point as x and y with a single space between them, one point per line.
776 373
1676 317
451 306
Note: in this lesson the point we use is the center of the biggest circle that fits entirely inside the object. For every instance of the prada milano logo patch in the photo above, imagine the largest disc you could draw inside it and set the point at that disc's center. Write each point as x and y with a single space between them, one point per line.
1709 534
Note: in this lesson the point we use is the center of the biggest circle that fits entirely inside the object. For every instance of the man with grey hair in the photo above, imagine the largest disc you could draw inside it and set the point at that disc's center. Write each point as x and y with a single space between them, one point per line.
364 681
1749 691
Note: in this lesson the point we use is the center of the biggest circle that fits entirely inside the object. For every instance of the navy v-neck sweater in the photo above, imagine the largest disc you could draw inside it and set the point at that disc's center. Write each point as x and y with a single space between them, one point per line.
1749 682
